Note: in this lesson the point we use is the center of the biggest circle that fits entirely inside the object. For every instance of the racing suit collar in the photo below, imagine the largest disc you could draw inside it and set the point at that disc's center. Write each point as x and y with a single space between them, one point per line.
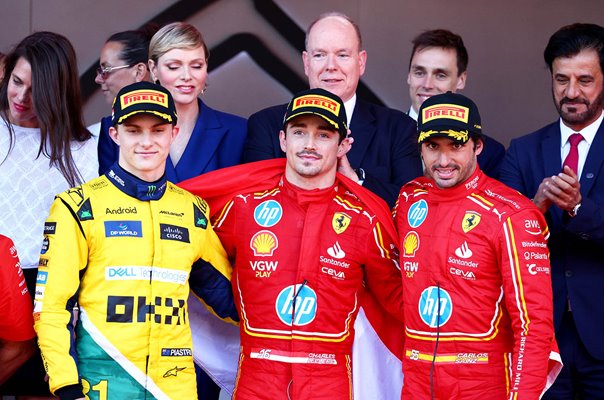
135 187
305 197
476 180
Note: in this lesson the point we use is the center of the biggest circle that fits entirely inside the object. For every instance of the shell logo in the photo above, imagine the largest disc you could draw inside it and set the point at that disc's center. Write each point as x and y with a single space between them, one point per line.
410 244
264 243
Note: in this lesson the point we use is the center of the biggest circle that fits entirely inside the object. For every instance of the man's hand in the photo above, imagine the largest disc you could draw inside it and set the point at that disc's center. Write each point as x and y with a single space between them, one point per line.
540 199
344 166
346 169
563 190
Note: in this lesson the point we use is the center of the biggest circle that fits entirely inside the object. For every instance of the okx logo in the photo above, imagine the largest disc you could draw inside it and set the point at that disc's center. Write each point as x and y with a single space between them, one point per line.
297 305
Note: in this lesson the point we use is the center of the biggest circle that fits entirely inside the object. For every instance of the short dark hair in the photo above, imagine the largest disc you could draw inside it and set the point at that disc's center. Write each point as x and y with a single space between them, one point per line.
569 40
444 39
135 44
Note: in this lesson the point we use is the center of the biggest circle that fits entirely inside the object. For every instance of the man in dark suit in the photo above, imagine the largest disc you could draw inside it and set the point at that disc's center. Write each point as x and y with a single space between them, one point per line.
571 194
438 64
384 154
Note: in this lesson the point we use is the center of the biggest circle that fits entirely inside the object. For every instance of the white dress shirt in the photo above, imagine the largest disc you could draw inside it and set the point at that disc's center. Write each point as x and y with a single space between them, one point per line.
349 107
588 133
412 113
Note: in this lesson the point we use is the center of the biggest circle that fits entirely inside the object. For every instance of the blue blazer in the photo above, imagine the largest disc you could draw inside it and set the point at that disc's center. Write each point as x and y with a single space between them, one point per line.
216 142
576 244
384 145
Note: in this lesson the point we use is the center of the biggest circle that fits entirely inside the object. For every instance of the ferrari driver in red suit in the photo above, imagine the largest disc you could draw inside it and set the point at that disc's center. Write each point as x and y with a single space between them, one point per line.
303 246
476 280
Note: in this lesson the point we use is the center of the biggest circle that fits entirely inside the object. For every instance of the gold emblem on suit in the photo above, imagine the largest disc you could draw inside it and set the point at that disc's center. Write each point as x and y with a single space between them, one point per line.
470 221
340 222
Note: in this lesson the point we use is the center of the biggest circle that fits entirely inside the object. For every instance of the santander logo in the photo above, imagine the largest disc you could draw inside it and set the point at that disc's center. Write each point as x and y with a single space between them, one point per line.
336 251
463 251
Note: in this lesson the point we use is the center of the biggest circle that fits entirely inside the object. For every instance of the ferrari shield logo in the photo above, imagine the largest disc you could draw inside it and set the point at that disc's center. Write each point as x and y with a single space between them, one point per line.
470 220
340 222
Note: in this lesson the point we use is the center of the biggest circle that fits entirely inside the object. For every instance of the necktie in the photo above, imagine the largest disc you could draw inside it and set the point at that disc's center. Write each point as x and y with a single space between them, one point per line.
572 159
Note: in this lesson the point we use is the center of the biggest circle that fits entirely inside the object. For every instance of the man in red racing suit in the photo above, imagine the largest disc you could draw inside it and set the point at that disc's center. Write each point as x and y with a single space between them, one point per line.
17 334
302 249
476 280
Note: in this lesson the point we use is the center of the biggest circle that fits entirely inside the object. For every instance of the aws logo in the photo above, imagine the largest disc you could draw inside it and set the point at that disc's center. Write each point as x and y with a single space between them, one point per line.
532 227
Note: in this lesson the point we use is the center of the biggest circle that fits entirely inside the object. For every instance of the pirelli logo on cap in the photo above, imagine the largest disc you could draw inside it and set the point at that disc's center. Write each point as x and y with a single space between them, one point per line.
450 111
144 96
317 101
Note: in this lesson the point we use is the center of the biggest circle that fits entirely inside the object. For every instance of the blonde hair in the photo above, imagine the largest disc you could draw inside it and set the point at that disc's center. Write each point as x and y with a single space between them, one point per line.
177 35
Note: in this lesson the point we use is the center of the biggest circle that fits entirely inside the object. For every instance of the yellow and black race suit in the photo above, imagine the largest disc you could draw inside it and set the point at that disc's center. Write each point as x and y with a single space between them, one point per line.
123 249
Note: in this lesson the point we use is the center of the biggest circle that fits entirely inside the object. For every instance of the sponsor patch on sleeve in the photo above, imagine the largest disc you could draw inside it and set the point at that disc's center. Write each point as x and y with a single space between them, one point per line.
50 228
176 352
41 278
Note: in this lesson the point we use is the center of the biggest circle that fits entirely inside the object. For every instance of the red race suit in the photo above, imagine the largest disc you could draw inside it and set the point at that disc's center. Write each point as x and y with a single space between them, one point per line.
477 292
16 318
305 254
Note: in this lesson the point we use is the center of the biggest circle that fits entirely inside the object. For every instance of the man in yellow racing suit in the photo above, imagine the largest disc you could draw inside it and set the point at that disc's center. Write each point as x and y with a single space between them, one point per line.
122 247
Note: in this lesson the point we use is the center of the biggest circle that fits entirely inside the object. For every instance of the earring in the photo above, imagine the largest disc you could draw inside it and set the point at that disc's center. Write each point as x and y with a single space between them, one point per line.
206 85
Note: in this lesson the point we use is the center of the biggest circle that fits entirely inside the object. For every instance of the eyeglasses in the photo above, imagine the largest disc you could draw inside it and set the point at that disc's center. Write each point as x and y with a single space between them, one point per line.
105 71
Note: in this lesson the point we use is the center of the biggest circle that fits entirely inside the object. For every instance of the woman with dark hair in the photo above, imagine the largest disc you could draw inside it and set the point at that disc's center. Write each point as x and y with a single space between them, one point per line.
2 57
44 147
123 61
